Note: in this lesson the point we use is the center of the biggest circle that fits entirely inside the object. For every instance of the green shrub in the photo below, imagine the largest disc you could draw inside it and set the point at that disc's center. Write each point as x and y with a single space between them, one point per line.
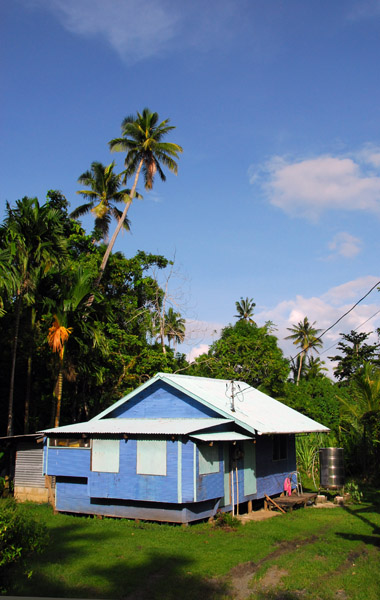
224 519
352 488
20 535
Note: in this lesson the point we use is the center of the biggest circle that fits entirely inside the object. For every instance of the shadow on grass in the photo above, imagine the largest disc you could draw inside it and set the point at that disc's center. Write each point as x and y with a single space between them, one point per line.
367 539
72 566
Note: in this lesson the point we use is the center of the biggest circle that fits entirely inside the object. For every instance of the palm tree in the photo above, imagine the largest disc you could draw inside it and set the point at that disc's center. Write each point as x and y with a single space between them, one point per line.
315 367
304 335
142 140
34 235
71 294
174 327
245 309
104 192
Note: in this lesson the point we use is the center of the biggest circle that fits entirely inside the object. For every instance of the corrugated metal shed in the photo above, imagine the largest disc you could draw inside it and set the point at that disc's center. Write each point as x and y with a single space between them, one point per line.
29 466
254 410
139 426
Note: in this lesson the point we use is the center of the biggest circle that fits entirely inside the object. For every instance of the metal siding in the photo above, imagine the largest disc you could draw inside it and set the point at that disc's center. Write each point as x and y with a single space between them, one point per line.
162 401
29 466
69 462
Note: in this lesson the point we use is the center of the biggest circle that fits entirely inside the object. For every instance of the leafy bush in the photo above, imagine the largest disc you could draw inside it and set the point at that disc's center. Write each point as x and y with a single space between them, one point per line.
224 519
353 490
20 535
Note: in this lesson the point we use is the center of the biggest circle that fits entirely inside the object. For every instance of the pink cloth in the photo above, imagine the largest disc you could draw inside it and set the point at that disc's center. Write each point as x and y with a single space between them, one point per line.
288 486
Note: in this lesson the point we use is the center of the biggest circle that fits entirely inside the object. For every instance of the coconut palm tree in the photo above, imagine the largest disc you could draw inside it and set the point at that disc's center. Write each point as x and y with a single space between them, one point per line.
174 327
305 336
142 140
245 309
34 236
102 196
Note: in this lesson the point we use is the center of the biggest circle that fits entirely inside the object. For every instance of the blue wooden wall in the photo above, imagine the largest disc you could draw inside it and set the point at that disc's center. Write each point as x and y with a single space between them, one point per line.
162 401
271 473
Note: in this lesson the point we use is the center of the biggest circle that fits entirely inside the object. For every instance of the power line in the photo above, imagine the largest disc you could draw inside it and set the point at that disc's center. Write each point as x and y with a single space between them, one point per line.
340 318
355 329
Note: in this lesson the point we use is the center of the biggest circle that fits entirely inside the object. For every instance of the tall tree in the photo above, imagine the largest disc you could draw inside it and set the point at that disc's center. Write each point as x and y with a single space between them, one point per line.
245 309
103 195
305 336
247 352
355 352
142 140
175 328
34 235
71 294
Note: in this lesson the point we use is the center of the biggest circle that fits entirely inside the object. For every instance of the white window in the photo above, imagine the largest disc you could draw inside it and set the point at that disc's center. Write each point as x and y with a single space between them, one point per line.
208 459
151 457
105 456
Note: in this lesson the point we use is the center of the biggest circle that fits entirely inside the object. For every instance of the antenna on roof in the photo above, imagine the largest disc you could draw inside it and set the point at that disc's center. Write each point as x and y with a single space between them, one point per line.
232 399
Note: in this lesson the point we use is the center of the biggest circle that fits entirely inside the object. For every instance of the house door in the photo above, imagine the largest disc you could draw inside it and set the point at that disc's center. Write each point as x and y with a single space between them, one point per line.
249 468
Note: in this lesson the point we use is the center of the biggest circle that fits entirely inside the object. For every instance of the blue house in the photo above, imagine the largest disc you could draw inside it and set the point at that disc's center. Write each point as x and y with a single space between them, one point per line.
176 449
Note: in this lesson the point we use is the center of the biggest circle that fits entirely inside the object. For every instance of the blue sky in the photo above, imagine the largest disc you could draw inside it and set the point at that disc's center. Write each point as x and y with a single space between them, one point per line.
276 106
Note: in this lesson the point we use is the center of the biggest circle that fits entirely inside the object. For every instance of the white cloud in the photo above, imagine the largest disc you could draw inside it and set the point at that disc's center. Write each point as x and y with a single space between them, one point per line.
138 29
307 188
344 244
365 9
324 310
197 351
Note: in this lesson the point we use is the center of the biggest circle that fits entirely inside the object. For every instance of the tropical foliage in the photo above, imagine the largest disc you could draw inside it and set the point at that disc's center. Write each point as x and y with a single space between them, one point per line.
248 353
305 336
102 197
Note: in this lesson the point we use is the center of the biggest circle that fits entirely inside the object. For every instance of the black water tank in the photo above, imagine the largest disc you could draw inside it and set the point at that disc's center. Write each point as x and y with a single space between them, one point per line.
332 467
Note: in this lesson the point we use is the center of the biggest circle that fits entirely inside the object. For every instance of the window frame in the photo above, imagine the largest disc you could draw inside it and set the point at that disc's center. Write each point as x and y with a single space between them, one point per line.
144 463
203 461
280 447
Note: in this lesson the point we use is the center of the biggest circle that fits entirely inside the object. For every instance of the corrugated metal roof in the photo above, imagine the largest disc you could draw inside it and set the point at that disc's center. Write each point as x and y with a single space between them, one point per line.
139 426
254 410
220 436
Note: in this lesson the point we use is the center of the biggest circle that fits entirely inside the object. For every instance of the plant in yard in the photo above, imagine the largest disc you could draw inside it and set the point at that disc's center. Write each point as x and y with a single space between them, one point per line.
20 535
225 519
354 492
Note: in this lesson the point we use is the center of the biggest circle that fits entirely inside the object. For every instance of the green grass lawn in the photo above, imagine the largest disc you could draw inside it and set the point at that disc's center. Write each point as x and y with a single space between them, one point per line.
310 554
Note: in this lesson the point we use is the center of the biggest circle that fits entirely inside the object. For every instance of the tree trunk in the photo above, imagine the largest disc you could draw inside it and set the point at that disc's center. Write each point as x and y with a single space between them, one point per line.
59 394
29 374
115 234
300 368
13 368
27 394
